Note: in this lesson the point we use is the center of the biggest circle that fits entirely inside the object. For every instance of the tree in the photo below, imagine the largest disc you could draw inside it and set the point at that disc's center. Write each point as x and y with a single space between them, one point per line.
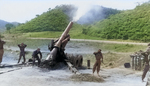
9 26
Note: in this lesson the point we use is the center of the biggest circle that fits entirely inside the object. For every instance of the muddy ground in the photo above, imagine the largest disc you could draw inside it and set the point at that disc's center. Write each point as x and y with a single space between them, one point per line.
34 76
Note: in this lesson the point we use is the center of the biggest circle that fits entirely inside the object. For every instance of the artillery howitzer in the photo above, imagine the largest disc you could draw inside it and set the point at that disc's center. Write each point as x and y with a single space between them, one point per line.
57 54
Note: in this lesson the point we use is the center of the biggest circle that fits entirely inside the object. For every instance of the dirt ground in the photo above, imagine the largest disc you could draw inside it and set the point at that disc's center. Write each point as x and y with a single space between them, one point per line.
34 76
29 76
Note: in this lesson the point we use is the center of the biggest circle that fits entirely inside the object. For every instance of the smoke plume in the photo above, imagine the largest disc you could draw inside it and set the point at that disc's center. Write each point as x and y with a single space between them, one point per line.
88 14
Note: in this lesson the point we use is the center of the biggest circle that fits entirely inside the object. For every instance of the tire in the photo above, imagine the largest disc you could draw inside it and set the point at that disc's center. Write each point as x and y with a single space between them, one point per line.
76 61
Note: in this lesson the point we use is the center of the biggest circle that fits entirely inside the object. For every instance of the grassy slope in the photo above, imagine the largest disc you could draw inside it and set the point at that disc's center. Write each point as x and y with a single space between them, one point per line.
75 32
129 24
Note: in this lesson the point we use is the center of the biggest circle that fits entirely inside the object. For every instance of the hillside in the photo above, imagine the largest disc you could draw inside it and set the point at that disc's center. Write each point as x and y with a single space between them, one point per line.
55 19
52 20
125 25
130 24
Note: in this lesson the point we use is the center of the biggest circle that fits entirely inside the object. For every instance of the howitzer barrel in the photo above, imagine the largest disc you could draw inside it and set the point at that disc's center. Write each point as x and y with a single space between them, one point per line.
53 53
64 34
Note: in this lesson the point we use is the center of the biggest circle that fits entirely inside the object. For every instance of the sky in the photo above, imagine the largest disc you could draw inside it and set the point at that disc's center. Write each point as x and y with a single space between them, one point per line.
24 10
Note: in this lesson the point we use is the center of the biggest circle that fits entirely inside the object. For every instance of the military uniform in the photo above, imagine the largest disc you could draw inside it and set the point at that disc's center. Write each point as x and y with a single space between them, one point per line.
36 57
22 52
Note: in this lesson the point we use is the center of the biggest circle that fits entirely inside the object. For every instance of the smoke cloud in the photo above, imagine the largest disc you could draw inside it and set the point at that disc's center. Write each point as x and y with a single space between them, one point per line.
82 10
88 14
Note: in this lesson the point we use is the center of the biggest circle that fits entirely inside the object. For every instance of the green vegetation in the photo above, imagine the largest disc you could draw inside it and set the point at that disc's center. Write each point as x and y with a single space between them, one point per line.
44 34
9 26
122 47
130 24
75 31
125 25
53 20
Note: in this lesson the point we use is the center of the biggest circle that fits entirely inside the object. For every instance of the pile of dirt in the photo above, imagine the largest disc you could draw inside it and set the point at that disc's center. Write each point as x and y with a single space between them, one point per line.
86 77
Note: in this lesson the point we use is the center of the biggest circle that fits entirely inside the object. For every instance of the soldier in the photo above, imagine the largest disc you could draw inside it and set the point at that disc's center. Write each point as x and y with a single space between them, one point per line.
146 62
98 56
36 57
1 50
22 47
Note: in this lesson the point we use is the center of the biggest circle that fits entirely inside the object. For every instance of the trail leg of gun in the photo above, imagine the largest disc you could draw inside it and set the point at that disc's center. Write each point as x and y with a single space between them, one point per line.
72 68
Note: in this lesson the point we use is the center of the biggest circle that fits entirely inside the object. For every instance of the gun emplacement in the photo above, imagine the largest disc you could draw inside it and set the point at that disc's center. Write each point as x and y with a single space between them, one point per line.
57 54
